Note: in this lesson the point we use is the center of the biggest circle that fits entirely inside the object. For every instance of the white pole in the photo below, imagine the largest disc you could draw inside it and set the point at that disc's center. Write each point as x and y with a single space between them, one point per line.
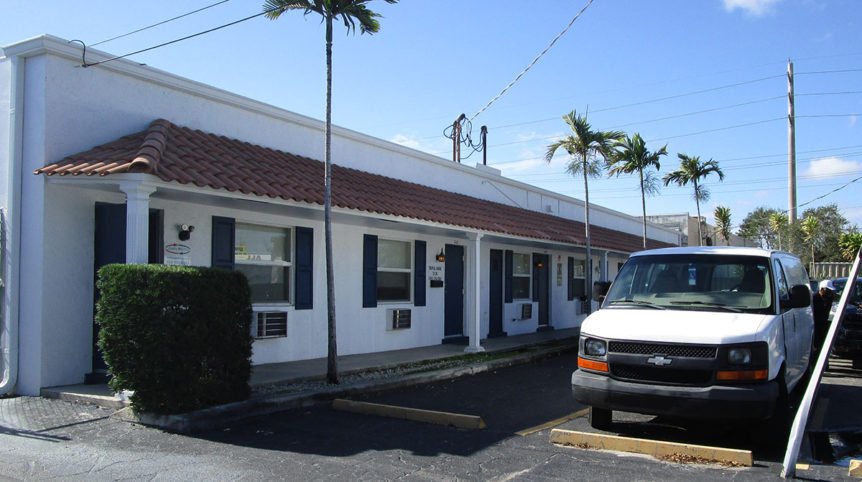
798 428
476 327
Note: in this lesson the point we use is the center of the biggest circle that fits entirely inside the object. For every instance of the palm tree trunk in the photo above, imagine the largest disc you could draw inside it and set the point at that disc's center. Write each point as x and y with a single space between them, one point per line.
589 265
697 202
332 347
643 202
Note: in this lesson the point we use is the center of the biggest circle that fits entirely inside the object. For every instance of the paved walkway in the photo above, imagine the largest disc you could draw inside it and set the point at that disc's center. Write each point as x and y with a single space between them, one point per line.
305 370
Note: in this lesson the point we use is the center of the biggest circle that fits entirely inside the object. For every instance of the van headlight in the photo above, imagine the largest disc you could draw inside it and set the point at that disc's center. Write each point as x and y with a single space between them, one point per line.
739 356
594 347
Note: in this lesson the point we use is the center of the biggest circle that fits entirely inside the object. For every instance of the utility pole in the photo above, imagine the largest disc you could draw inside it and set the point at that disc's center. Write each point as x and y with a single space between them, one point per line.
791 147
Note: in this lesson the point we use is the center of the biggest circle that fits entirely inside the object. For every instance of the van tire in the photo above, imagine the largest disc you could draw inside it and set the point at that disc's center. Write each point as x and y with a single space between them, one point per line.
600 418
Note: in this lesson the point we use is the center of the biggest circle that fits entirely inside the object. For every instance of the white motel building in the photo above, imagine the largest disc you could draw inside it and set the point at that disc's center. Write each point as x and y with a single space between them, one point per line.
124 163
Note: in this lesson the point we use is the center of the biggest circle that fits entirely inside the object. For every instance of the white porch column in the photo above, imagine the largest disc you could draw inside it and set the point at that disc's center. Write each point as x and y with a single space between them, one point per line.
137 221
604 273
476 326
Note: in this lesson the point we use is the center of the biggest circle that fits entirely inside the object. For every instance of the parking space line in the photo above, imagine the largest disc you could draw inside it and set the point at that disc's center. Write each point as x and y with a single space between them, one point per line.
656 448
554 423
406 413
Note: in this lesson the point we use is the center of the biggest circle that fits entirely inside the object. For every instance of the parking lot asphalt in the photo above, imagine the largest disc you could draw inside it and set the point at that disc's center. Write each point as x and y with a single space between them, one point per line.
513 399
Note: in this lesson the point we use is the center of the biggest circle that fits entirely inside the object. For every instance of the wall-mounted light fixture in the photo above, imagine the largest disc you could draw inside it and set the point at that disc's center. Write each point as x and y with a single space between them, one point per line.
441 256
540 264
185 231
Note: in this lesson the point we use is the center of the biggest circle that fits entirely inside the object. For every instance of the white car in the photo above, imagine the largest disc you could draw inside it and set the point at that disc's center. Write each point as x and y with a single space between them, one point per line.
698 333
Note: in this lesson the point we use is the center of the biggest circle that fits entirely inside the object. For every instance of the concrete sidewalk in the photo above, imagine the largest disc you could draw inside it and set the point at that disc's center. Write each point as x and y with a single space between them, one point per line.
282 386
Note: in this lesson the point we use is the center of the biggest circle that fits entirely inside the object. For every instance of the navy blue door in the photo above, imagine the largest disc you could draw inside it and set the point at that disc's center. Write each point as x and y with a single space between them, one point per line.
495 295
109 243
454 291
541 271
110 248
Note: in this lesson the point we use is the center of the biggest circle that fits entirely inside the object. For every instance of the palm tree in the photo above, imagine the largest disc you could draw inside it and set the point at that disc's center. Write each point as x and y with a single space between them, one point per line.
691 170
583 146
631 155
722 222
850 244
349 12
778 223
810 227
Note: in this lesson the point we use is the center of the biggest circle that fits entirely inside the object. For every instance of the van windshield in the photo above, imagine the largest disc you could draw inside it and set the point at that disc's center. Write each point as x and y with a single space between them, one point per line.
693 282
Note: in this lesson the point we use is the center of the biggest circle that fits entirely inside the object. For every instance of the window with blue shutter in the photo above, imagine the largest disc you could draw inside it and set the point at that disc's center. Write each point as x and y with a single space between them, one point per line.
419 261
369 271
570 280
223 242
304 283
509 255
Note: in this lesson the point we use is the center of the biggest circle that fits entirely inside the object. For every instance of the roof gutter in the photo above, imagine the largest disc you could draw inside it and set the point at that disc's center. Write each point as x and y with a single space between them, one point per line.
12 232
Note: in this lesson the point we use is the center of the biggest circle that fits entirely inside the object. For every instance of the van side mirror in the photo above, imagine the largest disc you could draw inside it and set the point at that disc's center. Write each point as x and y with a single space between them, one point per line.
800 296
600 289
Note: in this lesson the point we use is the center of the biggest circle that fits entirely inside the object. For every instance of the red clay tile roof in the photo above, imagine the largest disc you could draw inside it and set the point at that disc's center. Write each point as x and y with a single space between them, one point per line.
187 156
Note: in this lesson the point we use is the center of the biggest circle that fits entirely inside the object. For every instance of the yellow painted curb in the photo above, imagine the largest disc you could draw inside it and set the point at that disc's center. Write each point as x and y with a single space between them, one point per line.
661 450
415 414
553 423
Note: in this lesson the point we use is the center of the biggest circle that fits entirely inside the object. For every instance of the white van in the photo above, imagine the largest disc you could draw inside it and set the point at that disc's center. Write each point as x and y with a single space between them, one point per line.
697 333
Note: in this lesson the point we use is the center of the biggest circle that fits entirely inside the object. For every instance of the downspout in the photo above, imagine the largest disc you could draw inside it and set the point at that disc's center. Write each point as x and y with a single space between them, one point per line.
11 272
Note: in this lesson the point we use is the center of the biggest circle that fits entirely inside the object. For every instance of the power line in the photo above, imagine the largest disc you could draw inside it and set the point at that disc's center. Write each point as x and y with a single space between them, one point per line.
816 116
820 72
849 92
830 192
535 60
687 94
718 129
179 39
705 111
159 23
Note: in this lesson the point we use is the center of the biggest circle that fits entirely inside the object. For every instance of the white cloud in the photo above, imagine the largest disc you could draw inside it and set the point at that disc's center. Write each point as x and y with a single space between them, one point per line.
832 167
405 140
751 7
853 120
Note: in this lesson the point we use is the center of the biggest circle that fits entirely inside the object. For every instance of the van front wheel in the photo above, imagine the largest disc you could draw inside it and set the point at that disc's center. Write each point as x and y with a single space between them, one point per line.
600 418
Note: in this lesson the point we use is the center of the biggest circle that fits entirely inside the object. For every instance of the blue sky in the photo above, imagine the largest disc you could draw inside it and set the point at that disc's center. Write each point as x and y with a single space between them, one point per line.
705 77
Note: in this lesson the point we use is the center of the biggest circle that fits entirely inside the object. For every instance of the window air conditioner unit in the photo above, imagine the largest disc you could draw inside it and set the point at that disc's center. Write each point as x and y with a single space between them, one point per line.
270 324
526 311
398 319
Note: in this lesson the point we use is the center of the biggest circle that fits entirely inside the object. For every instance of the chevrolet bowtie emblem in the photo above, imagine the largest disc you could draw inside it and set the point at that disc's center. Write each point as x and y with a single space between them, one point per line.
659 360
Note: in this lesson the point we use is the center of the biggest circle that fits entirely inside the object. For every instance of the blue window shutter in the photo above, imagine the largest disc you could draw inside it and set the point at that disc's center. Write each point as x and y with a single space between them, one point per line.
304 272
369 271
570 281
535 277
223 237
508 275
419 273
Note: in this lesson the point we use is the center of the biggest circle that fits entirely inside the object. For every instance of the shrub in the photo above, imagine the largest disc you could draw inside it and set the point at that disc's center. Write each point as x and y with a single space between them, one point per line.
179 337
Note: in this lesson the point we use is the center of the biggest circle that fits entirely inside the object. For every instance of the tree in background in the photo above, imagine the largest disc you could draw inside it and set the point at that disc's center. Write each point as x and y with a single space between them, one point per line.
349 12
756 226
832 225
778 223
810 228
850 243
630 155
692 170
584 146
722 222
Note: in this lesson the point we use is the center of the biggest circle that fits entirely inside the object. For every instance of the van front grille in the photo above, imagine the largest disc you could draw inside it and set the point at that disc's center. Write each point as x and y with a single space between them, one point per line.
672 350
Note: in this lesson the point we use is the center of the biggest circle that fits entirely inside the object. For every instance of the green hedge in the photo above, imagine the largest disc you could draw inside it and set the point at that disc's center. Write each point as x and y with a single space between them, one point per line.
178 336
